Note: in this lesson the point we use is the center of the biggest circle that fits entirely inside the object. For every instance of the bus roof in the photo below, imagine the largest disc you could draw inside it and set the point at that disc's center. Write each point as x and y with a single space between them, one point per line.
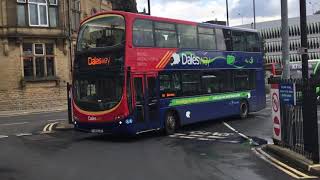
143 16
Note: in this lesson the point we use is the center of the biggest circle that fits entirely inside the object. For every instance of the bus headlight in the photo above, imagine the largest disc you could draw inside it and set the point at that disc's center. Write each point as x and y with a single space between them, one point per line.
129 121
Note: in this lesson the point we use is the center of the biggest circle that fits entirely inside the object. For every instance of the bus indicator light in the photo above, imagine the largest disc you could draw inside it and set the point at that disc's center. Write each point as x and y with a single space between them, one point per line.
92 61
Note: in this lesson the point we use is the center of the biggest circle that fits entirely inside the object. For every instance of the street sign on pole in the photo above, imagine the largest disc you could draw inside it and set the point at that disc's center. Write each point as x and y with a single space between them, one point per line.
275 101
288 93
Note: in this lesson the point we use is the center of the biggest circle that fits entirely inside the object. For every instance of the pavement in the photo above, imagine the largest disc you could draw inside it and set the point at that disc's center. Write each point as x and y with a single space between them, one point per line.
31 111
291 157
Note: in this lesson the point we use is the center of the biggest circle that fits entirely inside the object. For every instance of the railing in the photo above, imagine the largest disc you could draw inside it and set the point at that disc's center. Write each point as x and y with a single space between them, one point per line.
298 134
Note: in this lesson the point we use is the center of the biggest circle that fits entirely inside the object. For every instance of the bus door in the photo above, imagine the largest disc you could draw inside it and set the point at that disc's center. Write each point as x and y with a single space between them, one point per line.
146 98
152 100
139 113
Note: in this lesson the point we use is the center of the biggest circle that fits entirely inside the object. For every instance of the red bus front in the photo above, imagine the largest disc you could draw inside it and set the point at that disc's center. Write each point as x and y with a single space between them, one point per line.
99 76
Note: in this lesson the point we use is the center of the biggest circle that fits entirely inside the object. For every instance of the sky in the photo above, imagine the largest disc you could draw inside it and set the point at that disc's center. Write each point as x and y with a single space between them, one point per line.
240 11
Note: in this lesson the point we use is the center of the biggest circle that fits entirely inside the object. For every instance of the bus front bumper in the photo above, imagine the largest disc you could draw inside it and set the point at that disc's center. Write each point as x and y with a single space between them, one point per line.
119 127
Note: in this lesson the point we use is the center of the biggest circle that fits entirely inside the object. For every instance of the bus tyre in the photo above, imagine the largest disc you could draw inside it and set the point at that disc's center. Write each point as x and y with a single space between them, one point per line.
170 123
244 109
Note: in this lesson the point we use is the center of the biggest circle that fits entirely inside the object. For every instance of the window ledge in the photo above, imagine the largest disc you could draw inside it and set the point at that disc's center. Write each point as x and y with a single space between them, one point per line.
54 78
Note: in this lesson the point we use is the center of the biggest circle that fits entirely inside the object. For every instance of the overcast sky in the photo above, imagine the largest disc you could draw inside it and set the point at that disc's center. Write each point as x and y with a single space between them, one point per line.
239 10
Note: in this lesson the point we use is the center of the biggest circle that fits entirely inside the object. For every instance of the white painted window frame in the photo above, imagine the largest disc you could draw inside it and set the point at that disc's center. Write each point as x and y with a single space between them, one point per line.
39 21
43 49
54 4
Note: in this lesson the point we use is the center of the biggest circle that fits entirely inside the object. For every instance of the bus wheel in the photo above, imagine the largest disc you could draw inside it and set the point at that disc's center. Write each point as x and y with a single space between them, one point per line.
170 124
244 109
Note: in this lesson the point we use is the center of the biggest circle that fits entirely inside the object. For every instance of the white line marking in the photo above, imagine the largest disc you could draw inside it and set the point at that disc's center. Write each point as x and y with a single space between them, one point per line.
205 139
52 120
23 134
233 142
3 136
216 137
242 135
12 124
179 134
45 127
187 137
51 126
195 135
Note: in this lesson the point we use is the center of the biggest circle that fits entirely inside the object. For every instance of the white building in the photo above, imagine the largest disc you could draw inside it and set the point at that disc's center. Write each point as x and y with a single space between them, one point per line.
271 33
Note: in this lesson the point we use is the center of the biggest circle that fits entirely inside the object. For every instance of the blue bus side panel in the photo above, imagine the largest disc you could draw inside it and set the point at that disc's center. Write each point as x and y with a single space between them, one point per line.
193 113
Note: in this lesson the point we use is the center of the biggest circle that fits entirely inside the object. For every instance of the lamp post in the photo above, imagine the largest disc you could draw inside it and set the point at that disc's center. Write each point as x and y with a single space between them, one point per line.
227 12
149 12
254 14
239 14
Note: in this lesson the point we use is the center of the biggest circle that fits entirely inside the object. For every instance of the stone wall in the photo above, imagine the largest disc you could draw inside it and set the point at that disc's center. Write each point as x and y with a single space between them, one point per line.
17 94
33 98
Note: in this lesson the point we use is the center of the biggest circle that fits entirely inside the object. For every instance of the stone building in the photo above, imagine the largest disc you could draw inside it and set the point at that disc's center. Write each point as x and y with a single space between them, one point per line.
36 45
271 33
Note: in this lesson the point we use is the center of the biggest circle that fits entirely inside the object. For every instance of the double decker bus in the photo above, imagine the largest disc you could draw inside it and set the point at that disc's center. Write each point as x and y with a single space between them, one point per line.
135 73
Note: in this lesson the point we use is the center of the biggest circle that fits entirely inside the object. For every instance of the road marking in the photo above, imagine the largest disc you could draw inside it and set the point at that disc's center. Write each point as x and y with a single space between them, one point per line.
251 141
313 166
206 136
187 137
51 126
216 137
45 127
24 134
3 136
52 120
281 166
12 124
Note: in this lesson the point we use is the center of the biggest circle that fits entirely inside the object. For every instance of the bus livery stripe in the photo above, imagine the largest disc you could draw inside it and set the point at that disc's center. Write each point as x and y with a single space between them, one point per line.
162 59
166 61
210 98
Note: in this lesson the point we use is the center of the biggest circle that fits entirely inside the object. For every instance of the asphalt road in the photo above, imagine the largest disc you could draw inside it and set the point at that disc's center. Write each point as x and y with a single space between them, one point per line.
200 152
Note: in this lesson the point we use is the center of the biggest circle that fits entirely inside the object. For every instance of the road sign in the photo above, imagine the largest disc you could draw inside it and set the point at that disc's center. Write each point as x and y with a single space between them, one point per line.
276 126
275 101
288 93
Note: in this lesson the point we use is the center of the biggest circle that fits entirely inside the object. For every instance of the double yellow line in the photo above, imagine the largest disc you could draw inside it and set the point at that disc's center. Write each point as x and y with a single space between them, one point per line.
165 59
48 128
281 166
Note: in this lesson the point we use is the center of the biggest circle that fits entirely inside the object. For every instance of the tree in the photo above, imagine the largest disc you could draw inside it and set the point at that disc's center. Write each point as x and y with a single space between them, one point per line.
124 5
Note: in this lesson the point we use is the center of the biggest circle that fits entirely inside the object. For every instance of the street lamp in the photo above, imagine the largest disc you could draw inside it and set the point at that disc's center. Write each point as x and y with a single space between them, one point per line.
149 12
239 14
254 14
227 12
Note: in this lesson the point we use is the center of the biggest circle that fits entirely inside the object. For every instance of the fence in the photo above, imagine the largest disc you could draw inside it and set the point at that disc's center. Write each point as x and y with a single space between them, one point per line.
299 128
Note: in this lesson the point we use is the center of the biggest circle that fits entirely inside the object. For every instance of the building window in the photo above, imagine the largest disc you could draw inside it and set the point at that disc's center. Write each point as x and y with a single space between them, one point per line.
38 61
37 13
75 14
21 12
53 13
